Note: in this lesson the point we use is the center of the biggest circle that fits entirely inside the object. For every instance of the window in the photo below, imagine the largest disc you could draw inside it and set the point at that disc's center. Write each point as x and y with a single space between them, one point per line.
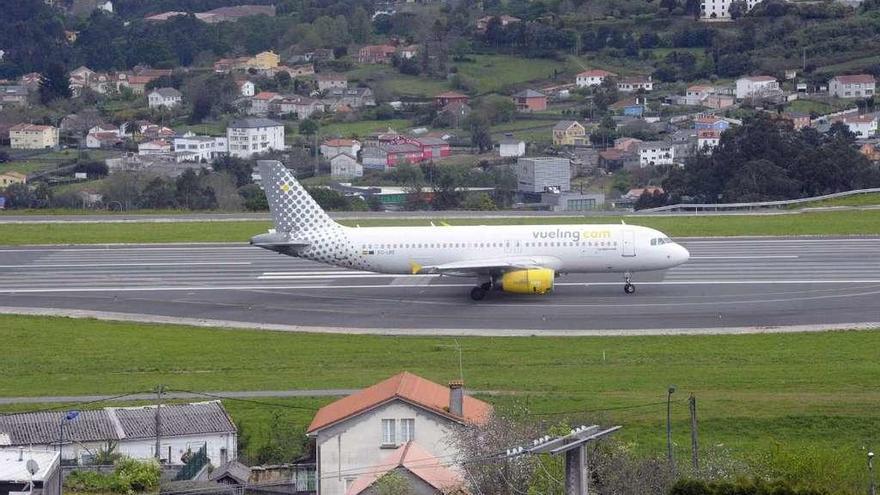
388 432
407 430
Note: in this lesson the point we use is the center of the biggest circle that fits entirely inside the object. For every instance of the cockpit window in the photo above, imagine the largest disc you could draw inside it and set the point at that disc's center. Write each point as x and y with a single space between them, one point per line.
659 241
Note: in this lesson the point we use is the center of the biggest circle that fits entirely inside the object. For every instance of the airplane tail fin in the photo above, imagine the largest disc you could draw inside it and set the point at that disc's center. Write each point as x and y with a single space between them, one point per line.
293 210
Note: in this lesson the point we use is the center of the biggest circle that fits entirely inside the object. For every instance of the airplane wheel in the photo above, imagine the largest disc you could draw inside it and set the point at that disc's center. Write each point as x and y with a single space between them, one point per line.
478 293
629 288
486 287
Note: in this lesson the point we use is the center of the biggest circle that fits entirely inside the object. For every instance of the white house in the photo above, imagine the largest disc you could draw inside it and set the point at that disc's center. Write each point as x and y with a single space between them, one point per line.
708 139
246 88
720 9
592 77
329 81
249 136
511 147
755 86
863 126
164 97
192 148
333 147
697 94
635 83
155 147
355 434
345 166
103 136
854 86
653 153
16 475
185 428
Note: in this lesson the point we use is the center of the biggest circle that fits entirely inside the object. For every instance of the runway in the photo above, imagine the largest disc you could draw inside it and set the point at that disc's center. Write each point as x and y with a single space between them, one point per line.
729 283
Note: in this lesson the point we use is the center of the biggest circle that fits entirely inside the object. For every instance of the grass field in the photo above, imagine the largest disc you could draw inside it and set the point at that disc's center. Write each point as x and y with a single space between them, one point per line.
816 223
363 128
870 199
494 73
766 394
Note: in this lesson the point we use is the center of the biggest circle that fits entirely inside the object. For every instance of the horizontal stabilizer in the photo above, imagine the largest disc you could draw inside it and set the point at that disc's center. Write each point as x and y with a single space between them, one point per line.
278 242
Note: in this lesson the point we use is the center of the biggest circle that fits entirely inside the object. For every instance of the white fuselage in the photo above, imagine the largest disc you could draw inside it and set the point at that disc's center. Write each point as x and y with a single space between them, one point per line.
588 248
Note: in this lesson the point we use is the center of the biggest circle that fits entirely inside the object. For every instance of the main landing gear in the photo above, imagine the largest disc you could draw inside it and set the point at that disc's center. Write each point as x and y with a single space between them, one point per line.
479 293
628 287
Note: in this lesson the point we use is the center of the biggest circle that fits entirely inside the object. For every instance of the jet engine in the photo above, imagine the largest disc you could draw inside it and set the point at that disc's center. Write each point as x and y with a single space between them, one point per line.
532 281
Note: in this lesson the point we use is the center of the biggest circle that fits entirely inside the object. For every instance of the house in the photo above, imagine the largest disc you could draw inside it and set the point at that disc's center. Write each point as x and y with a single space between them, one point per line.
231 64
387 155
164 97
718 102
31 471
708 139
355 434
31 81
261 102
635 83
615 159
423 472
249 136
543 174
152 131
572 201
345 166
333 147
653 153
448 97
569 133
710 122
293 70
629 199
511 147
376 54
630 107
711 10
863 126
185 428
504 20
13 95
869 150
155 147
33 137
407 52
696 94
593 77
202 149
245 88
264 61
103 136
329 81
798 120
530 101
9 178
350 97
301 106
756 87
854 86
627 144
231 473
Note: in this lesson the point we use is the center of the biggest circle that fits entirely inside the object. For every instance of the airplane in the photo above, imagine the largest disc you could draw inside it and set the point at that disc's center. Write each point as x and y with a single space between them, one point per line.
519 259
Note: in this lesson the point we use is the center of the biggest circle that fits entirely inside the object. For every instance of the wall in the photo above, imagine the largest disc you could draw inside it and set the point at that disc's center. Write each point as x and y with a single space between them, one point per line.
353 447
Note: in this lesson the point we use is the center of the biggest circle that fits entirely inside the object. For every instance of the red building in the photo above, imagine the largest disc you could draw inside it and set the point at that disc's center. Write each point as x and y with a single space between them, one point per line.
530 101
388 153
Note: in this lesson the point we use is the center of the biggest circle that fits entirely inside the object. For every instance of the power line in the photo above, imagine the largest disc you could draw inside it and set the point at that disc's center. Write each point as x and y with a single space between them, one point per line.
252 401
81 403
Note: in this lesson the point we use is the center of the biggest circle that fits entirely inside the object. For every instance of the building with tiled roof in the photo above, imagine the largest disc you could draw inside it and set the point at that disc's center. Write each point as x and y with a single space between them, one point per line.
593 77
852 86
357 432
422 471
184 427
33 137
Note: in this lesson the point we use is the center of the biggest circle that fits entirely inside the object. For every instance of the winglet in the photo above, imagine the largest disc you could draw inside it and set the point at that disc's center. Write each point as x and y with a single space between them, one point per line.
445 224
622 222
415 267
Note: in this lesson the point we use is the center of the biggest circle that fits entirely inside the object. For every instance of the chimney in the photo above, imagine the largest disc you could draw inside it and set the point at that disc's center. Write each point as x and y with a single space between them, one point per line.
456 397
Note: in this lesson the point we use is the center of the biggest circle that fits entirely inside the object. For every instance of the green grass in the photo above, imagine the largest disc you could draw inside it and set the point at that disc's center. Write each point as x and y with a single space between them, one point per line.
802 391
25 167
869 199
494 73
363 128
814 223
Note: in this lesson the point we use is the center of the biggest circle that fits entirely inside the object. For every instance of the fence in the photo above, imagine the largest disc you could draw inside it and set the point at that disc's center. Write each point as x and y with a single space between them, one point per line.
698 207
193 465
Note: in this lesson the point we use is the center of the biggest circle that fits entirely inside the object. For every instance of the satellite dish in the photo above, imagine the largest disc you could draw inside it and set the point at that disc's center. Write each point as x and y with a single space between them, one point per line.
32 466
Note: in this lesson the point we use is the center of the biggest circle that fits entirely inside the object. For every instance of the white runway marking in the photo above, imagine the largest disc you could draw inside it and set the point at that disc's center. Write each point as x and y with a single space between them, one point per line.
770 257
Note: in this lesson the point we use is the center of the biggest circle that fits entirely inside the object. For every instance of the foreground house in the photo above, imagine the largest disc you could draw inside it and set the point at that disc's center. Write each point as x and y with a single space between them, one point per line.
185 428
33 137
569 133
345 166
422 471
247 137
15 477
855 86
357 433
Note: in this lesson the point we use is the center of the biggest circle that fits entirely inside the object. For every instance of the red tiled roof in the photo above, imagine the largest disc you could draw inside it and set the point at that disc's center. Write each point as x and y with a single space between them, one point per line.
29 127
339 142
417 461
265 95
856 79
404 386
708 134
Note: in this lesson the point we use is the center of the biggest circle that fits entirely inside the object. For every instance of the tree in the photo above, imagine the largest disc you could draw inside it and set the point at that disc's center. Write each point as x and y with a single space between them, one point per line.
308 127
392 483
159 193
359 25
478 126
479 202
254 197
55 84
241 169
19 196
738 8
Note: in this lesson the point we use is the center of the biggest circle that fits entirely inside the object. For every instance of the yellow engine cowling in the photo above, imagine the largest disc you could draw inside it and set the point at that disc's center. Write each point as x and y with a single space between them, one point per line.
534 281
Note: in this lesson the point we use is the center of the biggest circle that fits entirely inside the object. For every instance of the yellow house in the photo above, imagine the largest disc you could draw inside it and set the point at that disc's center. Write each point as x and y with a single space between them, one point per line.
9 178
569 133
264 61
33 137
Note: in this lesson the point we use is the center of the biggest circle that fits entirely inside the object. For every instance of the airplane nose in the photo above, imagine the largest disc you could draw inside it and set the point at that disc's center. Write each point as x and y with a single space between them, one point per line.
681 254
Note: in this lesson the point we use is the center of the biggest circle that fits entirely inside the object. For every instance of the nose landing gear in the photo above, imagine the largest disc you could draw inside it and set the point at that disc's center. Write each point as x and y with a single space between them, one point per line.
479 293
628 287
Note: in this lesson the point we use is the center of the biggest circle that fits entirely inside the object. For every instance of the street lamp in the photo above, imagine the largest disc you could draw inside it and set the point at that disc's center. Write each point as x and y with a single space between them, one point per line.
871 470
70 416
669 392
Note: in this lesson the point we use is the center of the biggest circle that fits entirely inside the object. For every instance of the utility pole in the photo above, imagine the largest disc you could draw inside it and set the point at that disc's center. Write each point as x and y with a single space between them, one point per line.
695 460
669 392
159 390
574 446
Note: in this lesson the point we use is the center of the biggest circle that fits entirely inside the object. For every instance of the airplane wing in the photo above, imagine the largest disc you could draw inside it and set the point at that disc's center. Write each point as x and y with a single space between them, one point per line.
492 266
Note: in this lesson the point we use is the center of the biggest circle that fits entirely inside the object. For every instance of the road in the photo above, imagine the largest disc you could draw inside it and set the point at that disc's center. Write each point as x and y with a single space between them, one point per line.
730 285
